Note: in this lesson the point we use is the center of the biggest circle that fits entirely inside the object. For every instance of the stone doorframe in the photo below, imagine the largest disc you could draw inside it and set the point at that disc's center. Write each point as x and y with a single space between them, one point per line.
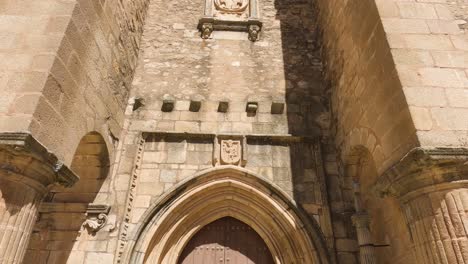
170 223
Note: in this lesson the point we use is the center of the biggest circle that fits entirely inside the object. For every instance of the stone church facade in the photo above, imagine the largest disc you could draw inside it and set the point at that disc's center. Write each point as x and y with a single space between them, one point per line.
227 131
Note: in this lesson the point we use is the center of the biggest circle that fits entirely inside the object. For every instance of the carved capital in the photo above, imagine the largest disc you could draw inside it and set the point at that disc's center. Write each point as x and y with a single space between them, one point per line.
422 168
23 156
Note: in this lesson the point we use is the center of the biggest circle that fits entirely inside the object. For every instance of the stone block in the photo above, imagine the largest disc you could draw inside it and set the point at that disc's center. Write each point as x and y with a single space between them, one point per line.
277 107
186 126
93 258
417 10
168 176
450 59
421 117
412 26
442 77
346 245
457 97
177 152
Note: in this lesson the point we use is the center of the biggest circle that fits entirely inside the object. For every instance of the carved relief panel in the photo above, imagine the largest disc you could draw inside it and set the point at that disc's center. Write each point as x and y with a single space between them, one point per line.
230 151
231 15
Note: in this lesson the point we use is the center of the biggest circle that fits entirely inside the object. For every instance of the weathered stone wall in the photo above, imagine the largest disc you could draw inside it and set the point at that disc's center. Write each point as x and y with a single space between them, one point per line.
284 66
459 9
397 76
66 68
430 52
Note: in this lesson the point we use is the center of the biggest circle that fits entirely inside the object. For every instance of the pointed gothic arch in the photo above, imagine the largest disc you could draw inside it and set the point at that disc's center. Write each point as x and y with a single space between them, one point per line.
228 191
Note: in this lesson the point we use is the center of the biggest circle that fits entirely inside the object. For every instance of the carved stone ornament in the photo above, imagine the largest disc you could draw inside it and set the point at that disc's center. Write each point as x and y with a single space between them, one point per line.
230 150
230 15
231 6
97 218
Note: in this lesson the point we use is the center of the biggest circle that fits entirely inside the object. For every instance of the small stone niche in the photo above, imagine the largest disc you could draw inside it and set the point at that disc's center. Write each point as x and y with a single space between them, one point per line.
231 15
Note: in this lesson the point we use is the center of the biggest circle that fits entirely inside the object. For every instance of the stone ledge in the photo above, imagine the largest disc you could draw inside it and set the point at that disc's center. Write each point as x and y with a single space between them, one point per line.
424 167
74 208
249 137
22 154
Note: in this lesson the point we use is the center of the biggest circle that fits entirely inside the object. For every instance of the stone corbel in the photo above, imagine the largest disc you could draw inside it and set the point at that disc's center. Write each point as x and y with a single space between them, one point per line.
97 217
206 30
22 154
254 31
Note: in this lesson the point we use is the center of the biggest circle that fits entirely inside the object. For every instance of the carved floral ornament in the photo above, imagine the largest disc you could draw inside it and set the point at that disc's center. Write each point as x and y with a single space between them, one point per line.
231 15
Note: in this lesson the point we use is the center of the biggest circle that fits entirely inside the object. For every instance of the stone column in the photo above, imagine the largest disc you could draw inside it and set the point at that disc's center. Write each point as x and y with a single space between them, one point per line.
438 221
432 187
366 246
26 172
362 222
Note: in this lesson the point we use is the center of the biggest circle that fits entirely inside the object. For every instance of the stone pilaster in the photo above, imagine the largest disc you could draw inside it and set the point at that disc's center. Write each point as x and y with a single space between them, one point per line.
366 247
26 172
432 186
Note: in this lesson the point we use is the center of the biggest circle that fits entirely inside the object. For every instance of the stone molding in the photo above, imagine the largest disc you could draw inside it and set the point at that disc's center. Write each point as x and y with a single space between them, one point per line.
273 138
216 193
422 168
22 154
96 214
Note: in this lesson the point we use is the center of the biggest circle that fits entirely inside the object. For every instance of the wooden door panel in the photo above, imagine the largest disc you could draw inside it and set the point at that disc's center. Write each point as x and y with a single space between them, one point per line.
226 241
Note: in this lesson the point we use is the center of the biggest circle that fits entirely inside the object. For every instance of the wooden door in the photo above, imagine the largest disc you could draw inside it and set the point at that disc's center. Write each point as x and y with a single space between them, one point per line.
226 241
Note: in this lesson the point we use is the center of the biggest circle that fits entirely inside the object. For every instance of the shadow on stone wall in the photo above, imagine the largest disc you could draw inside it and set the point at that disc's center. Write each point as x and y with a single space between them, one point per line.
308 109
59 230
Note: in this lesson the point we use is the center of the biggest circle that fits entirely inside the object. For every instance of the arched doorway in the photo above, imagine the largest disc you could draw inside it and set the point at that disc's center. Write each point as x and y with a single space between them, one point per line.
226 241
226 191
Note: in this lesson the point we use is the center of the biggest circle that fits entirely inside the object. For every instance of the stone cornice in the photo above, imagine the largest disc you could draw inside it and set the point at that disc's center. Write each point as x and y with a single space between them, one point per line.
424 167
21 153
274 138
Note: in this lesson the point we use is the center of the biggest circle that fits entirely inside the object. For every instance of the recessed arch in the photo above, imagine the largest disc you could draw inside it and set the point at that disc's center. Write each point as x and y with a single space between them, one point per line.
91 163
227 191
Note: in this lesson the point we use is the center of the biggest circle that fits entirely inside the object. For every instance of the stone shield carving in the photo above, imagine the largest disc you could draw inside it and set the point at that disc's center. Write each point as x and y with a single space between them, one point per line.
231 151
231 6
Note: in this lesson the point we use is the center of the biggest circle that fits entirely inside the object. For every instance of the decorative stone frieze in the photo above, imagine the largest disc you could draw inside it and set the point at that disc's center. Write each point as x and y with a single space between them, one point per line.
232 15
27 169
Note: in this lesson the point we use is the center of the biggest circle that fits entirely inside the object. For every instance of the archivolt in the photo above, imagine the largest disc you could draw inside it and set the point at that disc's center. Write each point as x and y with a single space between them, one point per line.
291 236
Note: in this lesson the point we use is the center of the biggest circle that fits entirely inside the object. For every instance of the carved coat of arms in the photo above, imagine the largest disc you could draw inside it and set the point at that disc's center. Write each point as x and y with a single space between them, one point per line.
231 6
231 151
